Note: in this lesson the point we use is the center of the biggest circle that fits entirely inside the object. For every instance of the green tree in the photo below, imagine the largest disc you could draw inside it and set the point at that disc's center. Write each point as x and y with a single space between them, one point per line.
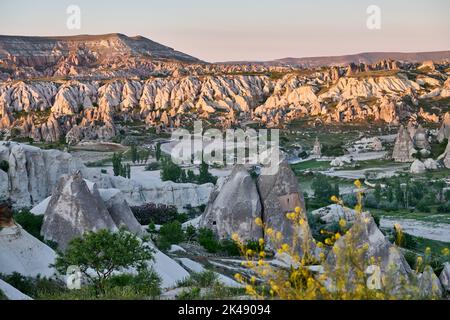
208 240
117 164
170 171
134 154
204 175
170 233
158 151
104 252
377 192
336 191
322 188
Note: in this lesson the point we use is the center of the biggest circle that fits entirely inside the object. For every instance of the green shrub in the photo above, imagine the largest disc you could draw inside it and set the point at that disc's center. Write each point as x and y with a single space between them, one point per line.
170 171
190 294
34 287
104 252
146 283
152 166
230 247
208 240
30 222
444 208
155 213
204 279
2 296
191 233
170 233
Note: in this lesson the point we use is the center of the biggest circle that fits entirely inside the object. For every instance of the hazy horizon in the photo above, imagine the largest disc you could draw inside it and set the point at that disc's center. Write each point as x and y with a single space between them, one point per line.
246 30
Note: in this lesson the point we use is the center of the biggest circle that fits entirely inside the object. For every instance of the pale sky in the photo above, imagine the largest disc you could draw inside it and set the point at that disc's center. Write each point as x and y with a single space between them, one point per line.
245 29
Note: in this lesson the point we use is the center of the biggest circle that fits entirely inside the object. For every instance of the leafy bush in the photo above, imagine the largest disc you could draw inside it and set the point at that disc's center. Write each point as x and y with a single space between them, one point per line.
190 294
424 204
154 213
191 233
34 287
323 190
105 252
170 233
444 208
146 283
208 240
170 171
152 166
204 279
230 247
30 222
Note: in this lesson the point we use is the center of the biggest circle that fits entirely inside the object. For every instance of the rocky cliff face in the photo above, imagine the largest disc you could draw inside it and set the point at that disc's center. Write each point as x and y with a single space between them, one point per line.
88 110
234 206
81 87
33 174
74 209
404 147
239 200
101 56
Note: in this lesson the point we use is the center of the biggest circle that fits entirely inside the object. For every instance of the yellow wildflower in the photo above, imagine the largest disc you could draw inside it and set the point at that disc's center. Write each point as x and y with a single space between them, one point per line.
269 231
334 199
358 184
342 223
258 221
235 237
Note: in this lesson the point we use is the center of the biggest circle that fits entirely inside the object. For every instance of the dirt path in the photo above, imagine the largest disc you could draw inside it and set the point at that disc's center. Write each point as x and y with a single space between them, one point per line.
428 230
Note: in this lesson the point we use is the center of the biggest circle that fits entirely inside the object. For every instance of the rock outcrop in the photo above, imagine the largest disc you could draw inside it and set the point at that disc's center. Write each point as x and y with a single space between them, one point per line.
33 174
420 139
74 210
365 235
445 277
280 194
335 212
403 148
444 131
417 167
429 284
21 252
445 157
119 210
233 207
317 149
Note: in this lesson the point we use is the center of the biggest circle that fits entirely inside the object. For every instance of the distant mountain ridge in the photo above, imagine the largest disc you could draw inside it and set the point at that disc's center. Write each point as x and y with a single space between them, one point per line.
24 48
364 57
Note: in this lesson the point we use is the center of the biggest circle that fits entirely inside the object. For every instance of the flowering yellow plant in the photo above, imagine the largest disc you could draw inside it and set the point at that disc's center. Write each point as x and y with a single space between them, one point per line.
306 273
